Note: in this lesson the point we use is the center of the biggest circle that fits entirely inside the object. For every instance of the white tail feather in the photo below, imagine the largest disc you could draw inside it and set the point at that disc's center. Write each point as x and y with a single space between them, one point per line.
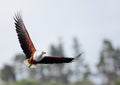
29 65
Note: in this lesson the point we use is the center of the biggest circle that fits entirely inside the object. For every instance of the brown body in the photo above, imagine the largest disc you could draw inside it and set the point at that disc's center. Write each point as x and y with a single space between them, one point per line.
29 49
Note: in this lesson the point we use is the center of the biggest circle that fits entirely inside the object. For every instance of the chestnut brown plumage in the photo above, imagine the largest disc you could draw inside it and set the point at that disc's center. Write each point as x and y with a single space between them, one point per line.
29 49
23 36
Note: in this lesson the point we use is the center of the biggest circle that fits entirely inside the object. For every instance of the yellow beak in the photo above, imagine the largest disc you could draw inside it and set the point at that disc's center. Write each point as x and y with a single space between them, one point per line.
43 52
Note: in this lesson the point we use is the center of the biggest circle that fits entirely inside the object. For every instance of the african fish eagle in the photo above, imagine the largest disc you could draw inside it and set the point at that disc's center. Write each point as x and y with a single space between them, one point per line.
34 57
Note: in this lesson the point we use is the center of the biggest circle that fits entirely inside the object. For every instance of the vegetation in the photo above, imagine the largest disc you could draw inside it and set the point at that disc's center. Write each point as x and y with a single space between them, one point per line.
33 82
64 74
109 62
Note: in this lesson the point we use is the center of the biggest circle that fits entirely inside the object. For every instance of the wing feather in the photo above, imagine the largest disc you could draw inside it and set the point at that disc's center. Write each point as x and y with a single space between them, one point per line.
58 59
23 36
55 59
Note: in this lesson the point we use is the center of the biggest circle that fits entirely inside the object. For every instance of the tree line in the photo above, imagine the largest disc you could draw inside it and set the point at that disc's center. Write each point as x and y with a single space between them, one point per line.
108 66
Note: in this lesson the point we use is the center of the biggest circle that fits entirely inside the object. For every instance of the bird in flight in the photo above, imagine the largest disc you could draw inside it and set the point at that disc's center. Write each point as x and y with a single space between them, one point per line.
34 57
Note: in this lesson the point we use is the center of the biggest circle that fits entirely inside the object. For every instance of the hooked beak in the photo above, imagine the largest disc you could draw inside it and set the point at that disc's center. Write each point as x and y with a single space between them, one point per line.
43 52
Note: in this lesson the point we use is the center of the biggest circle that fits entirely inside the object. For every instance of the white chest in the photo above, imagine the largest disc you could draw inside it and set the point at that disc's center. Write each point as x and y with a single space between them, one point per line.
38 56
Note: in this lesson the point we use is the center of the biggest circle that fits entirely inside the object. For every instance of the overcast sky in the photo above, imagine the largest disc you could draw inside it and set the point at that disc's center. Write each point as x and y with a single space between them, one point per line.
90 21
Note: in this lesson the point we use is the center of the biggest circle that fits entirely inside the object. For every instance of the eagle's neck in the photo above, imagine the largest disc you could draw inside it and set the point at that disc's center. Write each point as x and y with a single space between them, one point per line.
38 56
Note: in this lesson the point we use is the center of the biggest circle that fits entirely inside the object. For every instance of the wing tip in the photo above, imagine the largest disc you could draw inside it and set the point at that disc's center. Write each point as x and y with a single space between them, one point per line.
17 17
78 57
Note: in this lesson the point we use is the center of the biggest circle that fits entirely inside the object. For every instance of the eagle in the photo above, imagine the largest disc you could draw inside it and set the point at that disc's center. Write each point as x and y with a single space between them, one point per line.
34 57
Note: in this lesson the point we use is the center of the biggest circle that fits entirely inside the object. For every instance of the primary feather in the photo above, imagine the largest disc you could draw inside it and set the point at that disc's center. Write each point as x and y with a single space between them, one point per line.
55 60
23 36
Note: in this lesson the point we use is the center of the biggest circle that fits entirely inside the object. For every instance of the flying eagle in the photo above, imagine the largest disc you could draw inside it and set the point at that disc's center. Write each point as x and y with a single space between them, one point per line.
34 57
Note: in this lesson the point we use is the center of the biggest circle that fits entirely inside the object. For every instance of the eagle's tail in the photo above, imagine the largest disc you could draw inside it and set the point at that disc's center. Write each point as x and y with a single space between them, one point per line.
29 65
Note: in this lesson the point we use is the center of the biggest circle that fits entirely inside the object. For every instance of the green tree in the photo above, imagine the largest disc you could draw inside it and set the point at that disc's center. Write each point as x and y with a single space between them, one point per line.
19 58
25 82
7 74
106 65
78 65
20 68
117 59
76 46
117 81
83 82
58 68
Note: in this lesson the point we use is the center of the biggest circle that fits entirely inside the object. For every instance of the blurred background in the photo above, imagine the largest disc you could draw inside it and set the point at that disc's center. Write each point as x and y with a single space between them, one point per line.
62 28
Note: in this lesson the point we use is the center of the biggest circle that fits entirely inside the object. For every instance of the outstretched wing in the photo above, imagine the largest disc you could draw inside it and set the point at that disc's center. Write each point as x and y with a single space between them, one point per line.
23 36
57 59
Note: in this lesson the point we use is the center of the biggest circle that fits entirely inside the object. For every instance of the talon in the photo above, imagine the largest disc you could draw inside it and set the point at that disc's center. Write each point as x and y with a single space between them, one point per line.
29 65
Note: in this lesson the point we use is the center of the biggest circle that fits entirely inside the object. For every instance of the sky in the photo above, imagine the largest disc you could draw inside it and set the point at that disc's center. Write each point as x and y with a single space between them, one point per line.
91 21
